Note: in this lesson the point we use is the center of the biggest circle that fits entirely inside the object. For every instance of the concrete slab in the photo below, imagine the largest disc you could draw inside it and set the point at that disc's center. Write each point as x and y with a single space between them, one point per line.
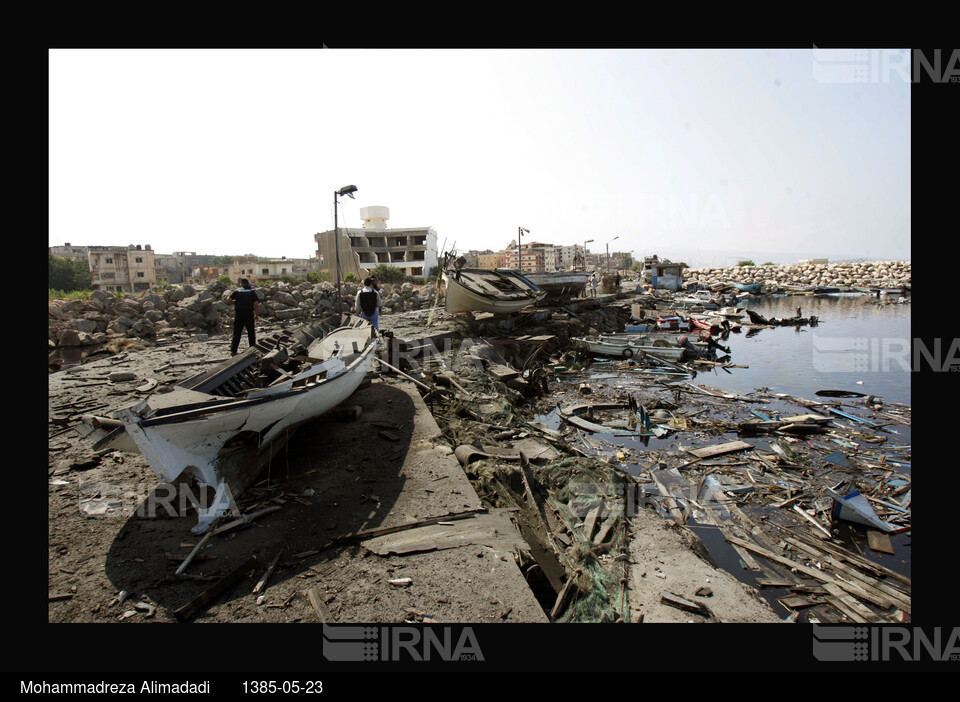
436 557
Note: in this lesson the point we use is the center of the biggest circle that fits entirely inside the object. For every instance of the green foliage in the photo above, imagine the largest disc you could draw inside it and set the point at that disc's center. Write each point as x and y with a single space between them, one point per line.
68 274
221 260
637 267
318 277
769 263
351 278
64 295
388 274
748 262
225 280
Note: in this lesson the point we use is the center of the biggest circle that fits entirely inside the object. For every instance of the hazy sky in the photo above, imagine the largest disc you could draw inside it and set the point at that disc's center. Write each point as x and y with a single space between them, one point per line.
240 151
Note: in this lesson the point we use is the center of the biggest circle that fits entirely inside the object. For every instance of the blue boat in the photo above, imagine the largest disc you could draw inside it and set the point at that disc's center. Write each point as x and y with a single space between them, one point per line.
752 288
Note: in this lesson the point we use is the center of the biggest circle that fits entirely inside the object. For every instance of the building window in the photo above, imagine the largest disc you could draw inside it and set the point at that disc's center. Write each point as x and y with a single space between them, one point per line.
108 259
140 274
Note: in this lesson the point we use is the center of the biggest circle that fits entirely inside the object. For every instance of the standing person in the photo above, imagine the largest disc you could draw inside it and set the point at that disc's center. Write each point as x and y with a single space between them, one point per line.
246 314
617 280
368 303
593 285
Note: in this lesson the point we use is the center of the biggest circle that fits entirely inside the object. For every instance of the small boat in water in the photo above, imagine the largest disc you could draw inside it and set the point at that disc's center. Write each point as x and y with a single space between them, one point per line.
752 288
483 290
623 348
222 426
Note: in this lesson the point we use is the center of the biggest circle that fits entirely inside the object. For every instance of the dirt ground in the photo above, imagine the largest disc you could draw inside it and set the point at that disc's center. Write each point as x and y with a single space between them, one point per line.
114 544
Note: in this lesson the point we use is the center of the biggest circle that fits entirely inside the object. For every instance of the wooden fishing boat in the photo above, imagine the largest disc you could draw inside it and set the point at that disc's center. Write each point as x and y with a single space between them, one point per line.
752 288
628 349
482 290
560 285
222 426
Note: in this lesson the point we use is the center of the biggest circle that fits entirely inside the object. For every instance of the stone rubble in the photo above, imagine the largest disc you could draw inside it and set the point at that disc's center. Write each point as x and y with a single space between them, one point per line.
104 316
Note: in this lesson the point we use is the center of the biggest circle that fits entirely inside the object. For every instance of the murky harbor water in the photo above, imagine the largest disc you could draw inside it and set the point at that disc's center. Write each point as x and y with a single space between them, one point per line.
858 345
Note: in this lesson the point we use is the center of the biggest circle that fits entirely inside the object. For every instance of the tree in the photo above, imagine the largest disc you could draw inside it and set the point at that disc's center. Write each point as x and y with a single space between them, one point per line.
68 274
388 274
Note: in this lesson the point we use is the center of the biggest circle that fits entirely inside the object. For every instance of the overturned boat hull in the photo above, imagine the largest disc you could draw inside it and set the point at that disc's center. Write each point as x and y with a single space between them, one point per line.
223 426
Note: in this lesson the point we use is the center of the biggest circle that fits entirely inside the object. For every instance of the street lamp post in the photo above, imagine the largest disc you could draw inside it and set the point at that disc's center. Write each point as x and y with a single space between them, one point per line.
585 253
347 190
521 231
608 252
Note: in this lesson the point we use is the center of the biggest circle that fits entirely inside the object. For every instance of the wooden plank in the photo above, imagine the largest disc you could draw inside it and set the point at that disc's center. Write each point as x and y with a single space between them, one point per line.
681 603
858 560
879 541
262 583
720 449
547 560
860 613
209 595
668 500
822 532
590 523
563 597
812 572
323 614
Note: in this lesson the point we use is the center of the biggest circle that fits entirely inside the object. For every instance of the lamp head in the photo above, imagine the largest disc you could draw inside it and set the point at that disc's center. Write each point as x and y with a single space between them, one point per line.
347 190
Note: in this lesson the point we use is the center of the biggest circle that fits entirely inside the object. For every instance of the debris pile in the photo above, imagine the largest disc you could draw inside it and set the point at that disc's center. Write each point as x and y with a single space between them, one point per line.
147 315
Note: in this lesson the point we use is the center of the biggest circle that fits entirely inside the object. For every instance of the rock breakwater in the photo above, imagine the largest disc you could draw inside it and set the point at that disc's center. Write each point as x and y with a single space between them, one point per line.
866 274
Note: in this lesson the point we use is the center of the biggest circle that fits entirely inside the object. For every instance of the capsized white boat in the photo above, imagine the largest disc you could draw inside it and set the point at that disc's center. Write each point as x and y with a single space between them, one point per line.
222 426
483 290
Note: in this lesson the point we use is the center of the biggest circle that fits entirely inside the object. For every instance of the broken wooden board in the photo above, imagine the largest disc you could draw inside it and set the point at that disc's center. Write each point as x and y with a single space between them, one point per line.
879 541
187 611
494 529
682 603
590 522
323 614
720 449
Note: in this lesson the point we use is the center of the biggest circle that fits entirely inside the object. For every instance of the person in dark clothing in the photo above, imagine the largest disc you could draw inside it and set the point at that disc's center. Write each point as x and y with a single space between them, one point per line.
246 314
368 303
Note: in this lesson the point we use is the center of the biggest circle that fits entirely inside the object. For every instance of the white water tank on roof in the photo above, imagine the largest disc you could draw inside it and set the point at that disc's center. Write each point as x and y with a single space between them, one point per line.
375 216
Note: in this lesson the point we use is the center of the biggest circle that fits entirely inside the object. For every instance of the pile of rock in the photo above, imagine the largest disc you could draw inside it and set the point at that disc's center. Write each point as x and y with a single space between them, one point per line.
884 274
146 315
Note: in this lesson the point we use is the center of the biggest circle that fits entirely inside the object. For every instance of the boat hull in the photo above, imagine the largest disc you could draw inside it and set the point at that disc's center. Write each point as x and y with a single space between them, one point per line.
560 285
224 442
627 349
477 290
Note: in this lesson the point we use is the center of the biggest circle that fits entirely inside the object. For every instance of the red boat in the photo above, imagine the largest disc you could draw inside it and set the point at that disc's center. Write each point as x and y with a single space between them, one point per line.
709 326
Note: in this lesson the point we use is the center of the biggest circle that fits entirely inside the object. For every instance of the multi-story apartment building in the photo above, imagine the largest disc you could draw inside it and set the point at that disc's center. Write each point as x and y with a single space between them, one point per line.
121 268
529 257
489 261
412 250
70 251
250 267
